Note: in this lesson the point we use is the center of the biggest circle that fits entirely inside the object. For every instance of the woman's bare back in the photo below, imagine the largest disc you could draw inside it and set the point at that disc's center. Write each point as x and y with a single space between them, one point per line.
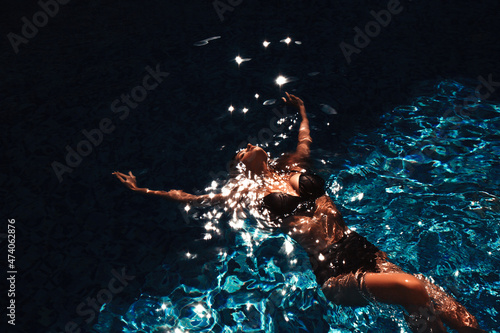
318 229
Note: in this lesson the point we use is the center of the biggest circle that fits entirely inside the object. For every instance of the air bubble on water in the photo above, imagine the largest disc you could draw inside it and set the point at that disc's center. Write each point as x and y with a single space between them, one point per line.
205 41
269 102
328 109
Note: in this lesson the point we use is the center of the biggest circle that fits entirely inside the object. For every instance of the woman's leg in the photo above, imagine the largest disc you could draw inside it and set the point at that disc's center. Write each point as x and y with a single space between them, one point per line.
450 311
447 308
408 291
355 289
397 288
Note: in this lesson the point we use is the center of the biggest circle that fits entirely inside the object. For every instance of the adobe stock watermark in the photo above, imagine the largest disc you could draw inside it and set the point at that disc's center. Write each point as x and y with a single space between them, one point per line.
221 7
265 136
469 104
488 84
483 91
29 29
95 136
91 306
372 29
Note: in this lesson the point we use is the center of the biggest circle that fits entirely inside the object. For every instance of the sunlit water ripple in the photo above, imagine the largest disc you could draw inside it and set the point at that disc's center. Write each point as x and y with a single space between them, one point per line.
423 187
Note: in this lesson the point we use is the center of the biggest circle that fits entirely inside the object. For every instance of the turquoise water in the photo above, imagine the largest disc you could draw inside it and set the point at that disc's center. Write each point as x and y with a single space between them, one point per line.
423 187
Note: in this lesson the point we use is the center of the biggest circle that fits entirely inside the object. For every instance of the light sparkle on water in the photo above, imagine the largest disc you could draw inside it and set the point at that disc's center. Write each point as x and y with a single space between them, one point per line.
281 80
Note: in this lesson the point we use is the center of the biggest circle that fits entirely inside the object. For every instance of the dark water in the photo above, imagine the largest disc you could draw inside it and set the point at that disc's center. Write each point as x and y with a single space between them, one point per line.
83 240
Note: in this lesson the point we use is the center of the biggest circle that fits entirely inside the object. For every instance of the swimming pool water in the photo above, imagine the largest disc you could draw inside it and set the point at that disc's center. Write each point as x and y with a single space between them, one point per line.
423 187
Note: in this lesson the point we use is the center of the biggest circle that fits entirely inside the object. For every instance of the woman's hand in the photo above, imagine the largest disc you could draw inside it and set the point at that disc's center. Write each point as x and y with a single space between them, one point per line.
128 180
293 101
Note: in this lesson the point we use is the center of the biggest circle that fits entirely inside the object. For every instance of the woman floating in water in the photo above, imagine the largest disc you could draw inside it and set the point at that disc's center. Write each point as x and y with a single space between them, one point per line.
350 270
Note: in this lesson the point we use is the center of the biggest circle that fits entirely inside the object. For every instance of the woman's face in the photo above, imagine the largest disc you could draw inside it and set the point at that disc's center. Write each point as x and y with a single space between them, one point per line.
252 156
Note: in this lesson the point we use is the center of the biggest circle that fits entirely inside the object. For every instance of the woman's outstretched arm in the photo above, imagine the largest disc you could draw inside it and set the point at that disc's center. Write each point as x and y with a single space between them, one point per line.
174 195
303 146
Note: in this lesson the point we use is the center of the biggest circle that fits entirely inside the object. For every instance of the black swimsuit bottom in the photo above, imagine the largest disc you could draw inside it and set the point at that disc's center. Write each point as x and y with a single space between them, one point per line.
352 253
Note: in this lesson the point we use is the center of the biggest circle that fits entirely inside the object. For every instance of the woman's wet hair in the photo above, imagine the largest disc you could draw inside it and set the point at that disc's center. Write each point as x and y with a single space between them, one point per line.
279 164
232 166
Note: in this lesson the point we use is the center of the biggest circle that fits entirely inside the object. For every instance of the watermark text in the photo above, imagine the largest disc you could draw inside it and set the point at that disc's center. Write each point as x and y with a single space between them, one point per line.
372 29
95 136
30 28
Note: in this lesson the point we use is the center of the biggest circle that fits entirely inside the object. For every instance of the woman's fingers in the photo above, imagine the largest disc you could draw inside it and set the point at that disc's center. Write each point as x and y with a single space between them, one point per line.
123 177
128 180
287 99
118 175
291 98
